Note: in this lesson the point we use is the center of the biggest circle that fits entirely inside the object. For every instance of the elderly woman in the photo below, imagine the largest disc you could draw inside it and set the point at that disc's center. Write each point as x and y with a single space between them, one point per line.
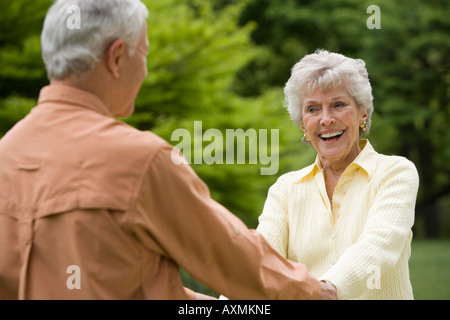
348 216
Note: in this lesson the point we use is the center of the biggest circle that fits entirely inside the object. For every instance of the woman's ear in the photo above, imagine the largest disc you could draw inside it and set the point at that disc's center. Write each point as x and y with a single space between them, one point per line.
114 55
300 124
364 115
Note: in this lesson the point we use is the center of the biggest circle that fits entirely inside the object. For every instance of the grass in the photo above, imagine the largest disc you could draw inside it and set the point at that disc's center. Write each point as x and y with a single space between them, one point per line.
429 268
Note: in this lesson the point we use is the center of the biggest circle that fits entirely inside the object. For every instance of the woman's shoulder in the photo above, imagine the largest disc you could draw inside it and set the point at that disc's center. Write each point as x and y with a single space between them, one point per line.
396 162
396 167
292 177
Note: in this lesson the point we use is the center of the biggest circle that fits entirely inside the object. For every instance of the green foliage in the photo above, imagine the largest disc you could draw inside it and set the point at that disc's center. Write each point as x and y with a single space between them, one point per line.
21 68
21 19
194 53
13 109
22 71
411 81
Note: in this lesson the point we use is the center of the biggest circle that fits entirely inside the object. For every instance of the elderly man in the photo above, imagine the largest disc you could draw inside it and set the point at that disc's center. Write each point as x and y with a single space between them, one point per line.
91 208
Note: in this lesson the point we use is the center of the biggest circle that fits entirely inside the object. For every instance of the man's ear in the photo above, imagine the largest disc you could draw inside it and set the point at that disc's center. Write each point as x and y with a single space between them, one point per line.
114 55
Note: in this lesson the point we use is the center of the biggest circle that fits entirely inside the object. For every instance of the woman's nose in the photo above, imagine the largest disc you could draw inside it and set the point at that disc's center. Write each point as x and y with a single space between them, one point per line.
327 118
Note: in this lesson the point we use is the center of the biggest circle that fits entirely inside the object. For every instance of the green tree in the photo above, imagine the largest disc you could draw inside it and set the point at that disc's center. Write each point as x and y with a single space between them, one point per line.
195 53
22 71
410 70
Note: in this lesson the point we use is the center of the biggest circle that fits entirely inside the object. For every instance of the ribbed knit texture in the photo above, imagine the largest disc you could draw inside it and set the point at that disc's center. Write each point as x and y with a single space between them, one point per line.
361 242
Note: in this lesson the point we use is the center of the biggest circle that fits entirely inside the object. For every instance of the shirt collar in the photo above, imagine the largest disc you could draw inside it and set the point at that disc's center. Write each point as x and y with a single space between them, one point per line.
72 96
364 160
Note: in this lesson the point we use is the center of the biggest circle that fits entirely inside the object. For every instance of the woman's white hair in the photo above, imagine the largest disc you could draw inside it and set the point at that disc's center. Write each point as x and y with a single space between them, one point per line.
323 70
76 50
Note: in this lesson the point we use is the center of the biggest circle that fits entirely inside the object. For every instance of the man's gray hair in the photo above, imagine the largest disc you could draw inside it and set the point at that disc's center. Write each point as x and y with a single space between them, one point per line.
68 50
323 70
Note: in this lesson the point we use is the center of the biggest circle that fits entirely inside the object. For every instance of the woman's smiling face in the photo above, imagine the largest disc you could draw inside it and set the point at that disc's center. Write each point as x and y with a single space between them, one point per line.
332 120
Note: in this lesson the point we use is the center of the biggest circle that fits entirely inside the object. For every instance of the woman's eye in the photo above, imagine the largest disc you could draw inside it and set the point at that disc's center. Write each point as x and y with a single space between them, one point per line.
340 104
311 109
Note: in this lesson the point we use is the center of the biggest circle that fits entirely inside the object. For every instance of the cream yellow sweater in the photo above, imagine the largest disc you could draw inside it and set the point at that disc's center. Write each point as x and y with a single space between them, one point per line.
361 242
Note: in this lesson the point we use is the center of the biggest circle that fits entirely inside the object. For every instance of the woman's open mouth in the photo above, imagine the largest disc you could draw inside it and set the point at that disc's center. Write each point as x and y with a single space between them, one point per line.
329 136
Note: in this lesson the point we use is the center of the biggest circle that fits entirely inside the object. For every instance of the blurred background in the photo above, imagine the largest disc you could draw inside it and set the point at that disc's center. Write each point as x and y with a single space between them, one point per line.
225 62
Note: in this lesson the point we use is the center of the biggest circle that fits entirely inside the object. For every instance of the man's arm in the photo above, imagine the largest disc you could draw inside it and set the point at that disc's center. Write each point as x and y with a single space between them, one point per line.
213 245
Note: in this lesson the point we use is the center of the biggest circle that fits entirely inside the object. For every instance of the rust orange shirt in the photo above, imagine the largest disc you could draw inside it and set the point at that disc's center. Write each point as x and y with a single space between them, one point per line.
91 208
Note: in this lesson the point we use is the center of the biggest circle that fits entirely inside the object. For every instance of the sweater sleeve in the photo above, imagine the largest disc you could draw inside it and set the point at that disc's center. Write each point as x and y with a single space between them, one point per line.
385 234
273 222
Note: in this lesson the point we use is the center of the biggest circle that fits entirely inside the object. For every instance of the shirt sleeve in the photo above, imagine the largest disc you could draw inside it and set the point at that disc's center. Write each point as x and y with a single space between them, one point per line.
385 234
209 242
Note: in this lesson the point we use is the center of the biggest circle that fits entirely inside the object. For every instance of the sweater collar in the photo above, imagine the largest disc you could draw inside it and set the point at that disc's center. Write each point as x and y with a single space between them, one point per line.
365 159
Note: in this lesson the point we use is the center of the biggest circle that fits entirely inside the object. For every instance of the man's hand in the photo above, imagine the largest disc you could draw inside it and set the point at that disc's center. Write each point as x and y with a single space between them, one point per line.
328 291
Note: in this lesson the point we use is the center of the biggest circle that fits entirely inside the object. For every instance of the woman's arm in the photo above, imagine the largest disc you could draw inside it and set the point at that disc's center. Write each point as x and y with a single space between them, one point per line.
273 222
385 234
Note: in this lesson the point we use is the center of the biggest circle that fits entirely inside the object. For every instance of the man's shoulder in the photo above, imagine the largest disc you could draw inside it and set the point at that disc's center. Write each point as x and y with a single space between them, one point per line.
128 137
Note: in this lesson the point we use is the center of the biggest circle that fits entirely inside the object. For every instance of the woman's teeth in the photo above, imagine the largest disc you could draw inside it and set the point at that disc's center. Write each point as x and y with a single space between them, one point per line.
331 135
